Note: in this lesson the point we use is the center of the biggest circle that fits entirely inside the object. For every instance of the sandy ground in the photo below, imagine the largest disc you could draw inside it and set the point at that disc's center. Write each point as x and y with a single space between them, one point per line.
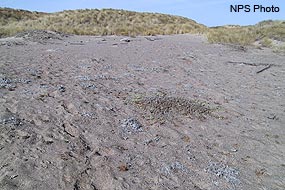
104 113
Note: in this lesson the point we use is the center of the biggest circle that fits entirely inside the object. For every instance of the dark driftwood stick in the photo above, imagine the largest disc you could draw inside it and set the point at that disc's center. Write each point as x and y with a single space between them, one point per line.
263 69
245 63
75 43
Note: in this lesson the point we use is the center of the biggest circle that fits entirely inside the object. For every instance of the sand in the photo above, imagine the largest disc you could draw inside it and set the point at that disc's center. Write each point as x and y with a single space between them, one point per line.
104 113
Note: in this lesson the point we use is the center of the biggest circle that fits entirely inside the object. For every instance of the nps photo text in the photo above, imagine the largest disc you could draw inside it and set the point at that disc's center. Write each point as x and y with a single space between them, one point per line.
254 8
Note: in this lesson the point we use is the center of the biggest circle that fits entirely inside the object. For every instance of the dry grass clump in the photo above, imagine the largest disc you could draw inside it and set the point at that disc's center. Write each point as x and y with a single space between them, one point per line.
279 49
161 106
240 36
97 22
266 42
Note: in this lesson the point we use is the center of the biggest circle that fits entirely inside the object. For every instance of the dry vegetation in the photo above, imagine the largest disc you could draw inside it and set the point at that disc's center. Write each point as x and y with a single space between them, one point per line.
8 15
265 32
121 22
97 22
167 106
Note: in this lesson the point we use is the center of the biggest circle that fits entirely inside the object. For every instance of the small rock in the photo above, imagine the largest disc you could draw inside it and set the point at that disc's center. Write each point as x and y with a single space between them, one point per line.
125 40
23 134
48 140
233 150
54 94
186 139
70 130
45 118
123 168
37 121
14 176
69 107
260 172
61 88
72 108
273 117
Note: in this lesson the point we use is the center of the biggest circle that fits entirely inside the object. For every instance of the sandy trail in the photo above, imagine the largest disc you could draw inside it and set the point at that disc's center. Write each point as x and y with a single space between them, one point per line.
69 117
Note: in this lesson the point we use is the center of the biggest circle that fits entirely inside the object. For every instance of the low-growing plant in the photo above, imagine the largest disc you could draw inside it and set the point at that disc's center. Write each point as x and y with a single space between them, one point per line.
164 106
279 49
266 42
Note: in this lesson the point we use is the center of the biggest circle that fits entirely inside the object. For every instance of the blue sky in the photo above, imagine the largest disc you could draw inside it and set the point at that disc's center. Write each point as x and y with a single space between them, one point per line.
208 12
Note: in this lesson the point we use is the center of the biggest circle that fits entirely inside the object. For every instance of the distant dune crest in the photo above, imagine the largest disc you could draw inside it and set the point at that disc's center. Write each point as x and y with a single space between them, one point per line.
129 23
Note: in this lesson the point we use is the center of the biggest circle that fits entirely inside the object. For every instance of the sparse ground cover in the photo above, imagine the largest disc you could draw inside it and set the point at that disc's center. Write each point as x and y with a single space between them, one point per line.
84 112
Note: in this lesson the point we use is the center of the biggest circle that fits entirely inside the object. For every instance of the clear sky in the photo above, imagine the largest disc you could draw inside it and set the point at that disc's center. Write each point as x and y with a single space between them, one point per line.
208 12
